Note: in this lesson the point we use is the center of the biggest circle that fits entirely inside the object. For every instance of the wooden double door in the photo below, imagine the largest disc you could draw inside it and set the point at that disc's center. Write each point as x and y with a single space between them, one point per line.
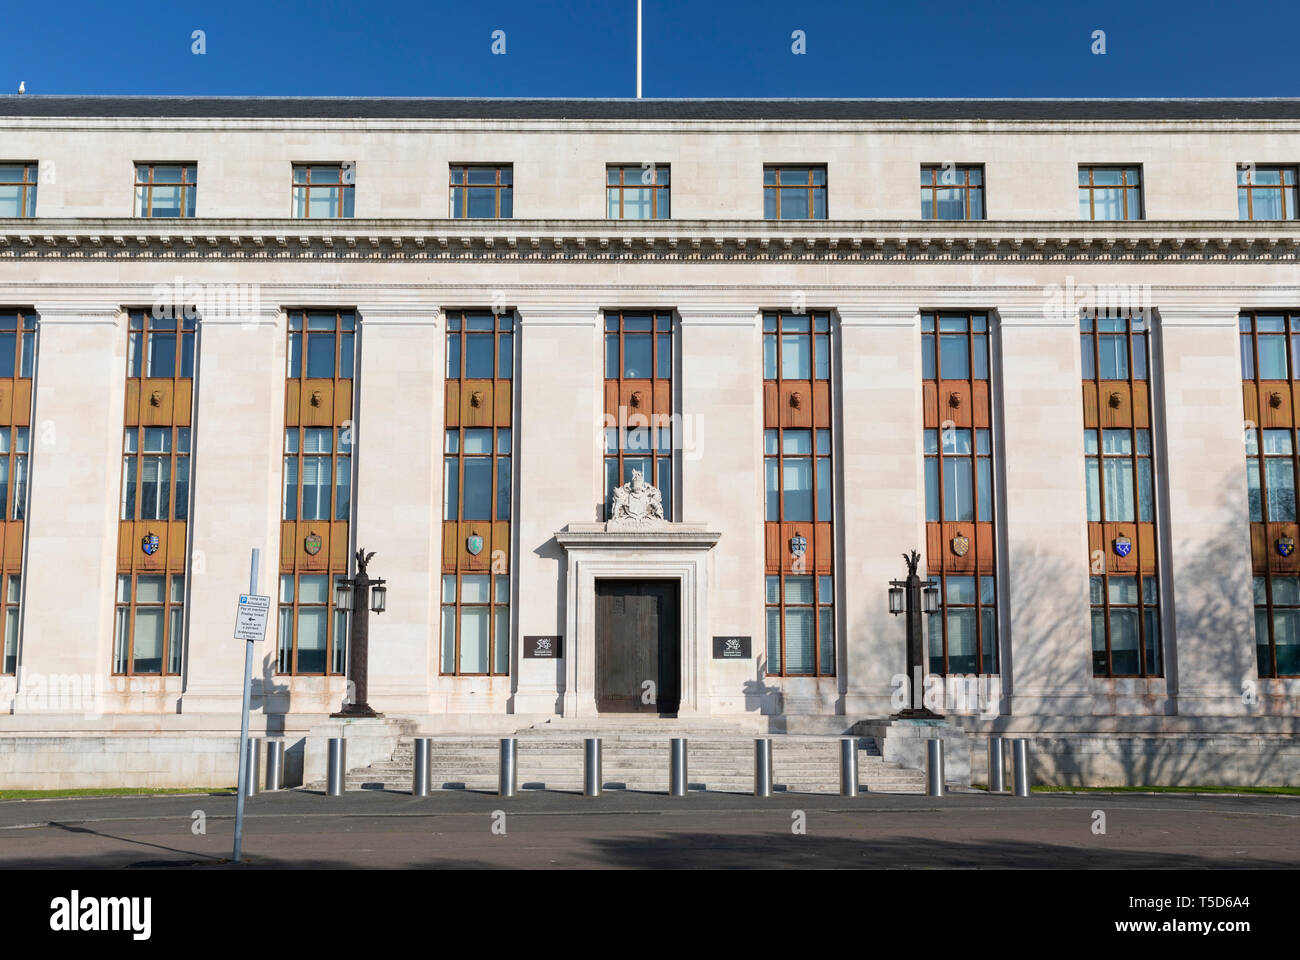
638 646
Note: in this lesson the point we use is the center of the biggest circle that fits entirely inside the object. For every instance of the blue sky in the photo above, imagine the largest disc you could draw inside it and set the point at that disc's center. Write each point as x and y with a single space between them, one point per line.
692 48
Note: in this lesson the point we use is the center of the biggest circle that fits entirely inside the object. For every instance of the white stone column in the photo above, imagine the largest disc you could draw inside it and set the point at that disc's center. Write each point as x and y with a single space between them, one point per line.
557 456
238 443
881 508
1046 643
1212 654
397 440
721 471
69 574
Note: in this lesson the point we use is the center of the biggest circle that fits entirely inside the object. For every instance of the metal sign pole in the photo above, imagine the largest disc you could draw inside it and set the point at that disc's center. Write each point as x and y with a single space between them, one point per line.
242 788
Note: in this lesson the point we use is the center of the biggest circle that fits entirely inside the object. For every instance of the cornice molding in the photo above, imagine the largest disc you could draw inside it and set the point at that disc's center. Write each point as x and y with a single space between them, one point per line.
557 315
879 315
686 241
82 313
400 314
1198 315
718 315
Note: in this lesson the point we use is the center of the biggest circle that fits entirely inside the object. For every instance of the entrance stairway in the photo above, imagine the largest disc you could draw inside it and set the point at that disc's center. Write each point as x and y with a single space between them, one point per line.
720 758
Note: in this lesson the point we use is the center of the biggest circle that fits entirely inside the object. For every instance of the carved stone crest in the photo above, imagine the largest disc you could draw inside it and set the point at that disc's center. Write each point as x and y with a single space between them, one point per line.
636 503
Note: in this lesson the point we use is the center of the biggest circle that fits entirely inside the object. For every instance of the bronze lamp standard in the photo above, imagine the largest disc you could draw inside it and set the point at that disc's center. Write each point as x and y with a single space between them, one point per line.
911 596
353 594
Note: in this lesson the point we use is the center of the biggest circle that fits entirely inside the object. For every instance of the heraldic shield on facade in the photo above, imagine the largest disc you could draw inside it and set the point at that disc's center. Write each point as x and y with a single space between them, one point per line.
636 504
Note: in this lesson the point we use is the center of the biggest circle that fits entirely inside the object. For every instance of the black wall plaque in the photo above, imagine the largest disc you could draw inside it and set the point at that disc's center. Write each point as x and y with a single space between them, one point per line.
732 648
543 648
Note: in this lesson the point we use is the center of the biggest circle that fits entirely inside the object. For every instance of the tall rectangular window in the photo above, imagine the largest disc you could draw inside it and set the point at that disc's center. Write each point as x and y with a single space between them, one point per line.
324 190
1120 485
637 191
17 363
1110 193
316 502
794 193
639 402
18 189
153 515
1266 193
799 492
166 190
951 192
482 191
1270 349
960 501
477 493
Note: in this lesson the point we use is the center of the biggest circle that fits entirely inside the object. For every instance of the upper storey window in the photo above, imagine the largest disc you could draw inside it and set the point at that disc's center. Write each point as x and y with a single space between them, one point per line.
952 193
1110 193
166 189
323 190
1266 193
17 189
637 192
794 193
482 191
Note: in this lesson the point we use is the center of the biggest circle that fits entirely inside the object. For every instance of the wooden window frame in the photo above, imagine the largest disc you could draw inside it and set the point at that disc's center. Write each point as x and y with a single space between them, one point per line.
658 189
810 184
497 186
460 325
346 191
968 189
979 342
299 334
189 189
1123 187
1137 342
27 186
21 325
661 325
1249 334
1290 191
124 645
818 334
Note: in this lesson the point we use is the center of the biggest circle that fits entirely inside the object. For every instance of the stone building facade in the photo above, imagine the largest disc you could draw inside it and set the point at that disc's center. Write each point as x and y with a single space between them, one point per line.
1024 338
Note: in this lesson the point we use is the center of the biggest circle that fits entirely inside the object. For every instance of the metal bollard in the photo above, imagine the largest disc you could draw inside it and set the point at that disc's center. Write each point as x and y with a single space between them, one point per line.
508 774
677 768
849 767
934 767
591 767
337 772
274 765
997 766
420 767
762 767
250 773
1020 766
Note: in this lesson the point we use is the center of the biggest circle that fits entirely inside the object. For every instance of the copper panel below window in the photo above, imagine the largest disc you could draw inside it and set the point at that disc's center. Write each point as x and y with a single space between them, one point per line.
1275 404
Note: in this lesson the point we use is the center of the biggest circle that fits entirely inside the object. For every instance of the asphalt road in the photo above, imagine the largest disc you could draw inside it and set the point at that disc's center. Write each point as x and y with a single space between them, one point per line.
460 830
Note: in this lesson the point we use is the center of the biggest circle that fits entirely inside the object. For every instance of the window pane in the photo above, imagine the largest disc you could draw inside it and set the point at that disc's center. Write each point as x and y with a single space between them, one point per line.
478 489
148 640
1281 488
931 490
473 639
798 640
961 641
796 359
954 357
342 488
957 502
637 350
313 588
450 489
1272 358
1119 489
501 650
503 489
1124 641
772 505
825 641
312 635
797 485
